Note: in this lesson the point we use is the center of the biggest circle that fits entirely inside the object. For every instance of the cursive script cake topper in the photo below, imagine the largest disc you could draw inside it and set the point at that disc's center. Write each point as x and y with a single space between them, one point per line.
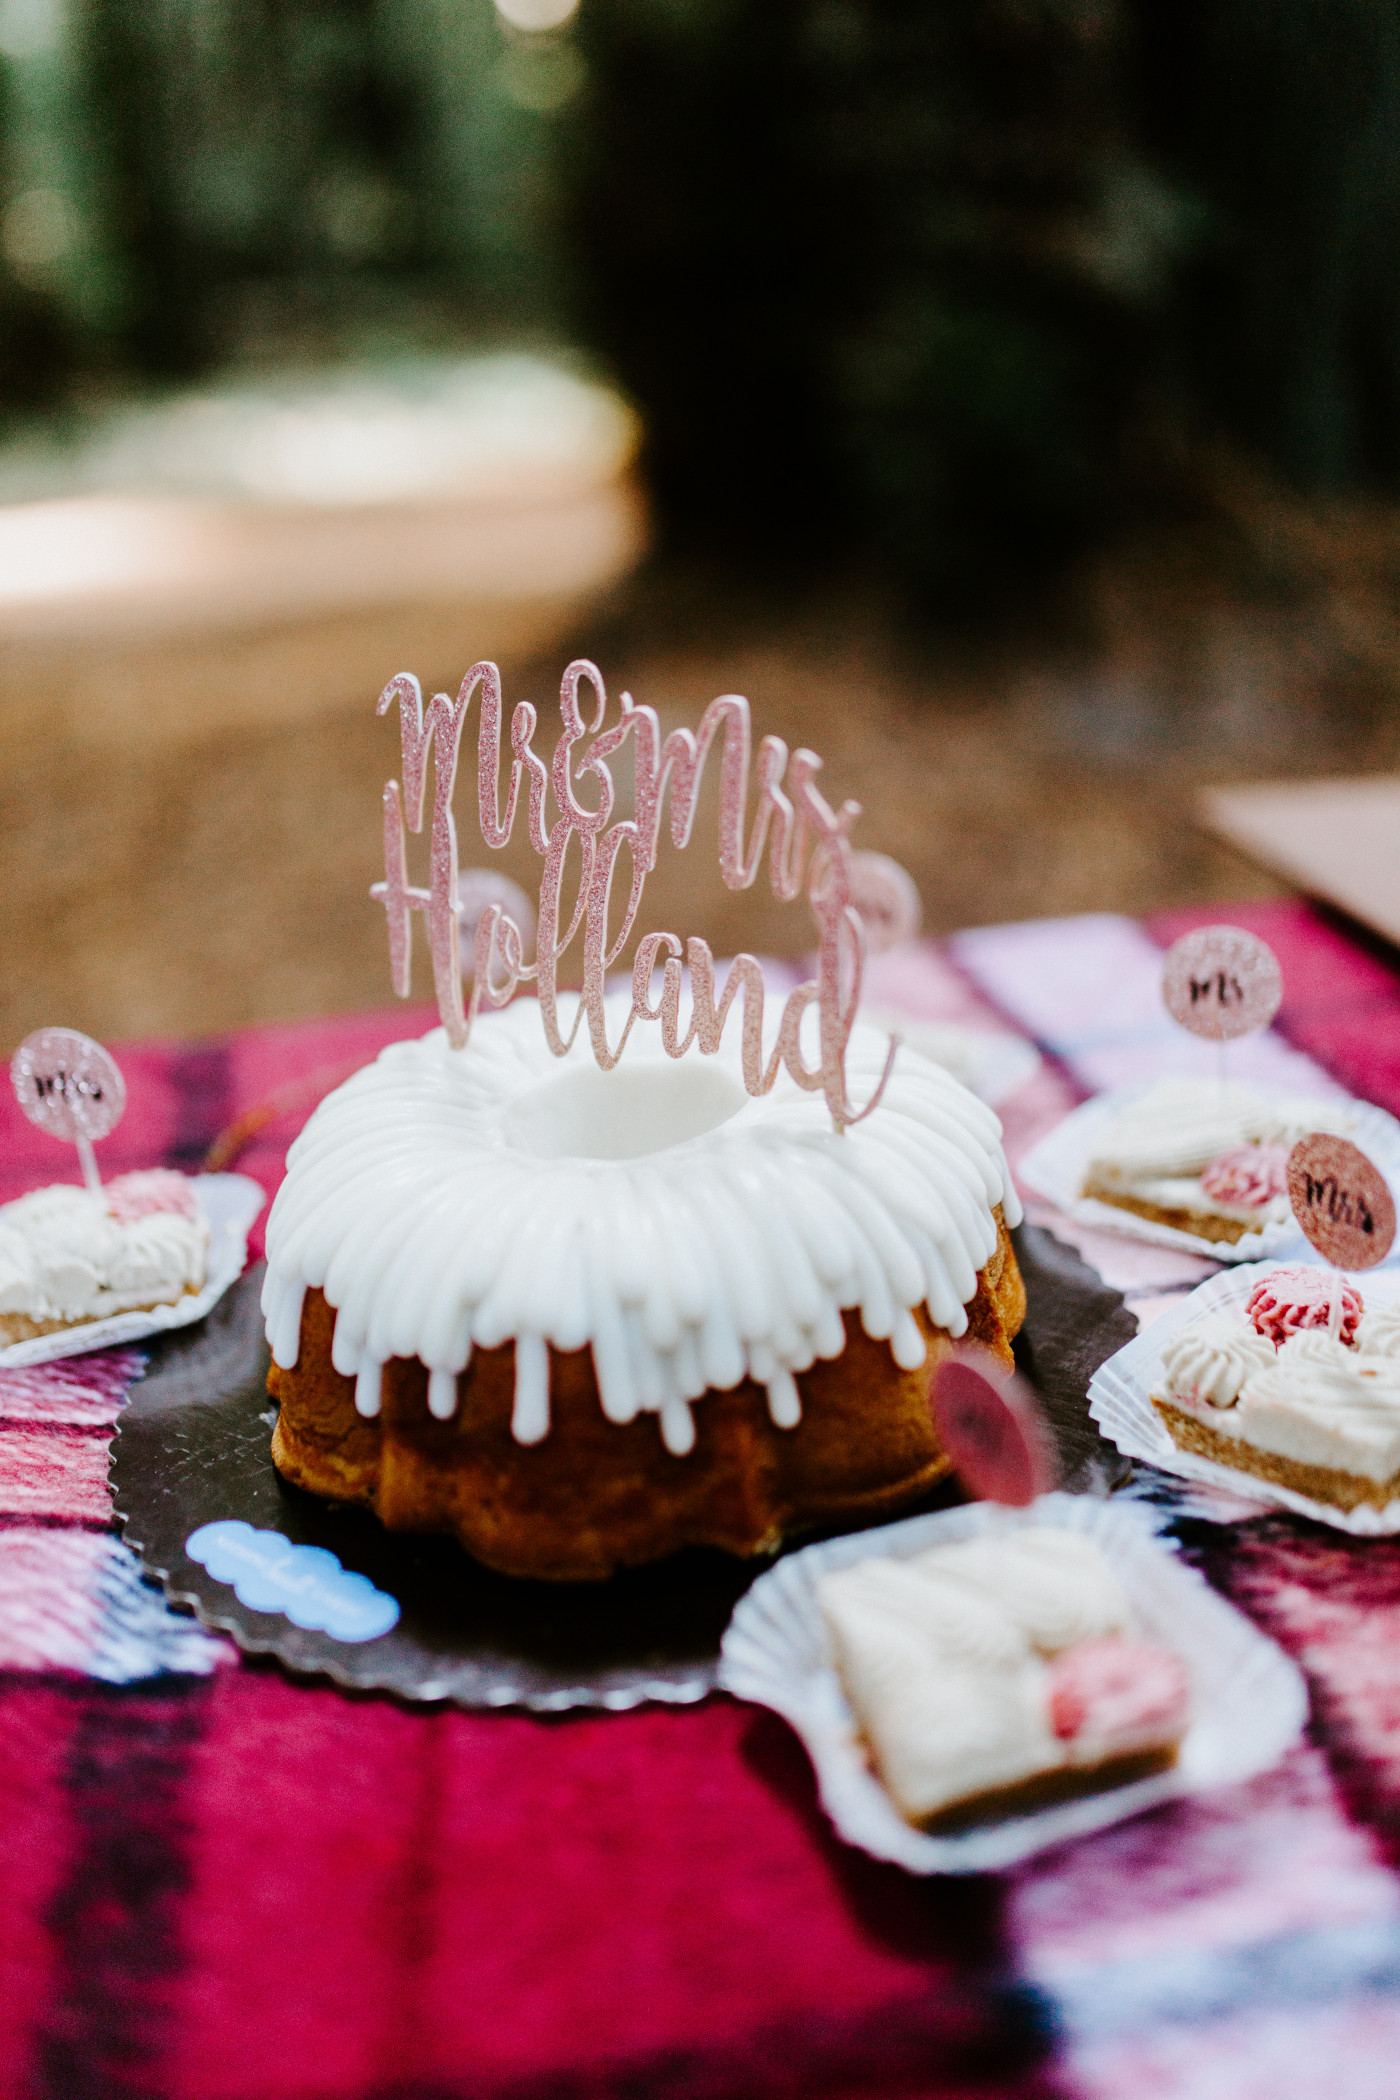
807 844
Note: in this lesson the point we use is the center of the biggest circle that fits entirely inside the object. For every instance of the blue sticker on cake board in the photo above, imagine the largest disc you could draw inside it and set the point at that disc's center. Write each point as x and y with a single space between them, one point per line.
306 1584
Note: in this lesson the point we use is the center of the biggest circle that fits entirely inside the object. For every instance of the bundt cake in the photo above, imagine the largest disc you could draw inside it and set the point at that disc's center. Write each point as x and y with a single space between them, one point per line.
582 1318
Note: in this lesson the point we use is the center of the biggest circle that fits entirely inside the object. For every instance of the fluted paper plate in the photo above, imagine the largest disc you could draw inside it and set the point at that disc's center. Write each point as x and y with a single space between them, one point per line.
1249 1703
1120 1401
1056 1167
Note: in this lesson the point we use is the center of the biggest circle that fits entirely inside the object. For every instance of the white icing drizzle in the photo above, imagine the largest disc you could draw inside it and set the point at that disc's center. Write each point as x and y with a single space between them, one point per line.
367 1387
1212 1359
529 1422
784 1400
442 1394
435 1200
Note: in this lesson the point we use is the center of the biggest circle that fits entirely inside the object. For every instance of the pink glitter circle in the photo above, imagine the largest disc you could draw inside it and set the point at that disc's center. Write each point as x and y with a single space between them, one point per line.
990 1425
68 1084
1341 1201
1247 1174
1220 982
1289 1300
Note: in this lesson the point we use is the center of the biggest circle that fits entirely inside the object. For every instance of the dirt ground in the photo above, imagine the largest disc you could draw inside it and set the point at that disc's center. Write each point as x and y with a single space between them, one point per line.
202 882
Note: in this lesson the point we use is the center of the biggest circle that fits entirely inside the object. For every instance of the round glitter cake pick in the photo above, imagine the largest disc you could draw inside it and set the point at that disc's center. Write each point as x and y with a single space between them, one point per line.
1220 982
1344 1207
70 1086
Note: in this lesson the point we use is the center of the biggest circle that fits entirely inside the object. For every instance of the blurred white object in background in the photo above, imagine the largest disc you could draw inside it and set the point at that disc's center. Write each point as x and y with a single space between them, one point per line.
991 1062
485 429
536 15
887 898
477 890
347 526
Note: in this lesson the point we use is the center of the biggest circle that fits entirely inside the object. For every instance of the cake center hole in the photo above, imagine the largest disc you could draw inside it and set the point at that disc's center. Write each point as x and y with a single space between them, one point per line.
625 1113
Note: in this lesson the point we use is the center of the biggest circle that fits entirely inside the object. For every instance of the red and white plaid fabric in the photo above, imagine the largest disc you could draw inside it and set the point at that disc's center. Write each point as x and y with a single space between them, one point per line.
220 1883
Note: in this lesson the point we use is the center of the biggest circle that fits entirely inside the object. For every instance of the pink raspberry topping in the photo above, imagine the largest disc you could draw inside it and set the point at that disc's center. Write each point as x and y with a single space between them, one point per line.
1288 1300
1116 1691
133 1196
1247 1174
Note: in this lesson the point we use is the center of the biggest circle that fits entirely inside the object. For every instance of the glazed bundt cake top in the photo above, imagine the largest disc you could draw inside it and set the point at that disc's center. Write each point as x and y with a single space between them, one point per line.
690 1233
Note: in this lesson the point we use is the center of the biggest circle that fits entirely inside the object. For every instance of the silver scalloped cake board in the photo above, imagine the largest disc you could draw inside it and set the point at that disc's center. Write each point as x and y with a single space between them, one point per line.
193 1446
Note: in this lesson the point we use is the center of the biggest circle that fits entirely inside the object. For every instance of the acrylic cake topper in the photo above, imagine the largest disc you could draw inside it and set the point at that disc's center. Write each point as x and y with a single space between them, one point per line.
990 1424
807 844
71 1087
1221 982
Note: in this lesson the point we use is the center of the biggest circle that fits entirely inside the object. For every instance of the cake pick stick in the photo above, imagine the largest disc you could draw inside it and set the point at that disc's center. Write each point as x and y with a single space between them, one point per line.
1221 982
71 1087
1345 1209
992 1427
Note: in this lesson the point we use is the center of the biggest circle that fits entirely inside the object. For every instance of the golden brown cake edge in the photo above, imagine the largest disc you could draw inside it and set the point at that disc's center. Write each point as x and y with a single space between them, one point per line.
1319 1483
597 1495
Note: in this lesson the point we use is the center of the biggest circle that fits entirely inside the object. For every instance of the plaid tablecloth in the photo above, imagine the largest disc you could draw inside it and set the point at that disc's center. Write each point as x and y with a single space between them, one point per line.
220 1884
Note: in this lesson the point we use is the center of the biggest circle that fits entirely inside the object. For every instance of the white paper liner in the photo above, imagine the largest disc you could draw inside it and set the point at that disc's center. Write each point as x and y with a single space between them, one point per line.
1120 1401
1248 1701
1056 1166
230 1203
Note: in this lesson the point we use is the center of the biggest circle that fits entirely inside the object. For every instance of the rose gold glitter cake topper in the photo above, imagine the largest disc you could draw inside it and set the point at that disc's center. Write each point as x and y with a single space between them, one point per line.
71 1087
1221 982
990 1424
807 846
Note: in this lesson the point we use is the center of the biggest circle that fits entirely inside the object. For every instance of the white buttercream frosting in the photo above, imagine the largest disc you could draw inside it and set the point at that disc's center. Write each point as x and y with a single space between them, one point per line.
1379 1334
943 1725
942 1657
690 1234
1315 1401
1169 1134
1312 1353
64 1257
1211 1359
1054 1586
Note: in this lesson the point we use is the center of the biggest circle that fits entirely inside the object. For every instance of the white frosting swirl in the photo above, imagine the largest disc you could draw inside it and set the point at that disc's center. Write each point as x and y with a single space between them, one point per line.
64 1257
969 1631
1055 1586
1312 1353
689 1233
1325 1405
1379 1334
1213 1358
1179 1126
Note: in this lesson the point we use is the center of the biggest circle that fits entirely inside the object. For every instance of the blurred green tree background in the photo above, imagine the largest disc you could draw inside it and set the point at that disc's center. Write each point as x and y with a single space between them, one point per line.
945 286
